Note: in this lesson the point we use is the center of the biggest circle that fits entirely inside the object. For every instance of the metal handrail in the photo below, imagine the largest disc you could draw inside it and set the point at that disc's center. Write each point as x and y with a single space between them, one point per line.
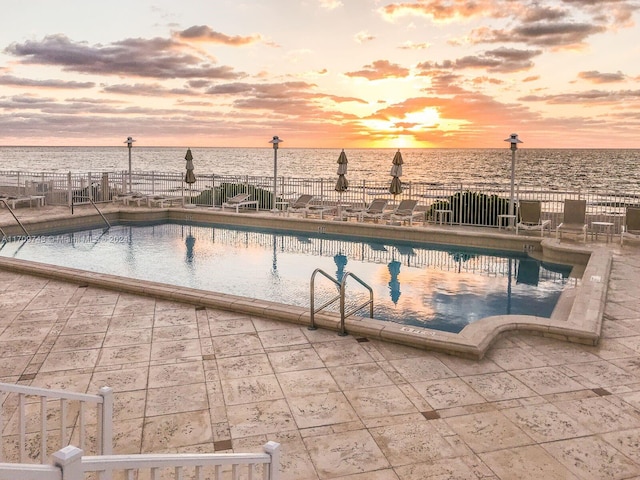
341 296
14 216
94 206
313 311
355 309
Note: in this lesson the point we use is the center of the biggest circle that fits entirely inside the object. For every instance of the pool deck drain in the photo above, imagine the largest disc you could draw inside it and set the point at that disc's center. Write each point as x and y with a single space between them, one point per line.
533 407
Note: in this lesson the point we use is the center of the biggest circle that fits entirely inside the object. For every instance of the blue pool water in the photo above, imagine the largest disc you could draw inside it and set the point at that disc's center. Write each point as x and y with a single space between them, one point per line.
430 286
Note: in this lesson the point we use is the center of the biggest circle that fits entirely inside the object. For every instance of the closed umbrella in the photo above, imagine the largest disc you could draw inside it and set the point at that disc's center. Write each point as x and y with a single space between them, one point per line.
394 284
341 262
342 184
396 172
189 177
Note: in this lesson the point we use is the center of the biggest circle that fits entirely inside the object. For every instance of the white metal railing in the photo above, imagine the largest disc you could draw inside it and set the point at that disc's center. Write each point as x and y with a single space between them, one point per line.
69 463
212 190
34 413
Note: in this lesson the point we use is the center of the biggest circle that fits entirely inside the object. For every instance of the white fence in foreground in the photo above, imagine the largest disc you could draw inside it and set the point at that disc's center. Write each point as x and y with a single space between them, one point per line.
70 464
35 421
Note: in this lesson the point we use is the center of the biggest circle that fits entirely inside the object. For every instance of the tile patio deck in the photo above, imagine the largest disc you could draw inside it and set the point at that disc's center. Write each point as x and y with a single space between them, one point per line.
203 380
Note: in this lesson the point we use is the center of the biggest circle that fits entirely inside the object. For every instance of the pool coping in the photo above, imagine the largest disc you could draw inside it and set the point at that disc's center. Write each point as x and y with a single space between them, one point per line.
580 323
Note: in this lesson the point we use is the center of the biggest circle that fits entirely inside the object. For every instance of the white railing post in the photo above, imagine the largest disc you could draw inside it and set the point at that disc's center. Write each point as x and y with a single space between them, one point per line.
69 460
460 206
106 427
273 449
69 190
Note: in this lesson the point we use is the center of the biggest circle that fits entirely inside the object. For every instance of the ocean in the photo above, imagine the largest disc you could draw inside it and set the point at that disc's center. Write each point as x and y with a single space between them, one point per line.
589 169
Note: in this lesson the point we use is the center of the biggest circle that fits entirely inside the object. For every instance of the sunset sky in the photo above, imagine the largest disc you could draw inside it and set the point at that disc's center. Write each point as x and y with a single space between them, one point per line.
321 73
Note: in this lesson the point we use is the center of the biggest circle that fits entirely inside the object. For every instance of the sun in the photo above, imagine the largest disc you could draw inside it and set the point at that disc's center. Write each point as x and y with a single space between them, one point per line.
401 131
427 118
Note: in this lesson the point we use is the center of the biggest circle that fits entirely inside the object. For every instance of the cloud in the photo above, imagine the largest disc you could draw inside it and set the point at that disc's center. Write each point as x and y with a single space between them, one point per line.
594 76
536 13
500 60
203 33
26 82
362 37
565 35
409 45
278 91
380 69
588 97
156 58
443 10
330 4
146 90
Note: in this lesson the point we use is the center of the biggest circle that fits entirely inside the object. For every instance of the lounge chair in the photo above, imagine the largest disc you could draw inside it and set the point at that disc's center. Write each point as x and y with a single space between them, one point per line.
574 218
162 201
319 209
301 204
127 198
13 200
375 210
240 200
406 210
530 217
631 224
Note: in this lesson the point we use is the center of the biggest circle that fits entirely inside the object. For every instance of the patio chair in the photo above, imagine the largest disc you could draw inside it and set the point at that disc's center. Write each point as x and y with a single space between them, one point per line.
631 224
530 217
162 201
13 200
574 218
301 204
240 200
375 210
406 210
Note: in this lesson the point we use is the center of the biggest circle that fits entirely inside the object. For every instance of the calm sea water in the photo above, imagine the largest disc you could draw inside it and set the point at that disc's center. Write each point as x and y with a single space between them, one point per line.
617 170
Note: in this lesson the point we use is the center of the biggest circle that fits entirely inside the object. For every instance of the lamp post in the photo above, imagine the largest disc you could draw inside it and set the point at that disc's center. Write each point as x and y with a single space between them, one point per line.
514 140
129 141
275 141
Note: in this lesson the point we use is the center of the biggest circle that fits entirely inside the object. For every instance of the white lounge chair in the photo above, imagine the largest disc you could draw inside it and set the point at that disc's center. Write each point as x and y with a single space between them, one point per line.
162 201
375 210
631 225
406 210
574 219
240 200
13 201
531 217
301 204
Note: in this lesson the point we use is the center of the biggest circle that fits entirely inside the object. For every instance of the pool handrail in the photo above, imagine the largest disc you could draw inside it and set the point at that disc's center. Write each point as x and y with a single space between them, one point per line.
341 296
369 302
313 311
6 204
94 206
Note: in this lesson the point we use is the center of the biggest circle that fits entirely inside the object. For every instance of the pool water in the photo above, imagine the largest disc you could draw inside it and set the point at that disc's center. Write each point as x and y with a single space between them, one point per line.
430 286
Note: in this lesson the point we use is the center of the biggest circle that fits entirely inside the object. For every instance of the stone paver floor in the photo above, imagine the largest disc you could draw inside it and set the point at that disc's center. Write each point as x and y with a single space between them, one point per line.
202 380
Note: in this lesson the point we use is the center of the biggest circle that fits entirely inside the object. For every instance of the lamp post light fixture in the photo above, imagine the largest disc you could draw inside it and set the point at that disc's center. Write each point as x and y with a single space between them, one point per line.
514 140
129 141
275 141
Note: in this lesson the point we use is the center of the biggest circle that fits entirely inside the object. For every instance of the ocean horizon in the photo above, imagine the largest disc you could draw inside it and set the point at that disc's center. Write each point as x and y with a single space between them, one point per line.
613 169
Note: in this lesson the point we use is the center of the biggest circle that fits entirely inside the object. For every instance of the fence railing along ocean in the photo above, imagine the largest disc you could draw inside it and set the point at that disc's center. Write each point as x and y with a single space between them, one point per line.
462 203
446 180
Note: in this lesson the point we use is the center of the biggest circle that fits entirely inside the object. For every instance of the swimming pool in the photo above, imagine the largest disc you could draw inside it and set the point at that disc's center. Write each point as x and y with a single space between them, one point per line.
442 288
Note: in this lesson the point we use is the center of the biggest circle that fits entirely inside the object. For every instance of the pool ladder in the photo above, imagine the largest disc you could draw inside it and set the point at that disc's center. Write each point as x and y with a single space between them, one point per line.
94 206
341 289
6 204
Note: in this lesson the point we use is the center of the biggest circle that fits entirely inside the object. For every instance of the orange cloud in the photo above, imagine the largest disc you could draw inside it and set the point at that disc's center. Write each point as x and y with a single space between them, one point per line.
379 70
203 33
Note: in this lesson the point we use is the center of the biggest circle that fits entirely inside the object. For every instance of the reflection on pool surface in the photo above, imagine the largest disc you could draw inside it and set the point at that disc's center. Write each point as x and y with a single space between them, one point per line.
431 286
